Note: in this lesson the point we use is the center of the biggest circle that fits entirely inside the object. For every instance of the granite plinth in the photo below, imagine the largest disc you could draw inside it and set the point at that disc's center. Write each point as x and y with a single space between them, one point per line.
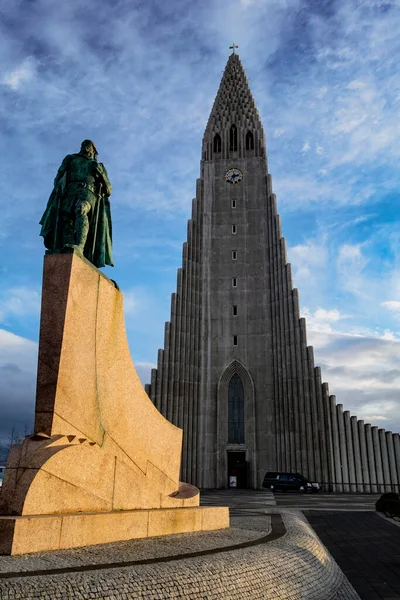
102 458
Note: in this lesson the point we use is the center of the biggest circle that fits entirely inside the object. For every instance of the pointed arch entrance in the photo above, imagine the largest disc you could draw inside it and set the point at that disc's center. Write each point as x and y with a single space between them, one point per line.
236 426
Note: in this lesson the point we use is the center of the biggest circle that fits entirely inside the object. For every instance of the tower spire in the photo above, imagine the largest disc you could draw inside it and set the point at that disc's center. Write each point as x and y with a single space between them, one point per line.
234 105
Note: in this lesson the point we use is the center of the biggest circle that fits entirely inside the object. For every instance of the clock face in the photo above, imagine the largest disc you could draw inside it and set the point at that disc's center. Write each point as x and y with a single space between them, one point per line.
234 175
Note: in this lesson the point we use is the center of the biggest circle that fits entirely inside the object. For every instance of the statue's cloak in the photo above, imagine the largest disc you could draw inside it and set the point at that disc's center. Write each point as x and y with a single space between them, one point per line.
98 247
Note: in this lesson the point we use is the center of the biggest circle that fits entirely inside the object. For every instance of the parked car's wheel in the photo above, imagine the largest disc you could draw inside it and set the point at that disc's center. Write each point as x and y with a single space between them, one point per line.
302 489
271 487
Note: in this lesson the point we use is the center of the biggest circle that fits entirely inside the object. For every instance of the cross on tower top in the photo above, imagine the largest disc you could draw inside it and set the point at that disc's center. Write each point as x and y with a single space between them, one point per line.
233 48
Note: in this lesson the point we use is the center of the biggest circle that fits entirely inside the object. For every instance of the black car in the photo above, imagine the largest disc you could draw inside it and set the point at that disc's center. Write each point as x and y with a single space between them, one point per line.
279 481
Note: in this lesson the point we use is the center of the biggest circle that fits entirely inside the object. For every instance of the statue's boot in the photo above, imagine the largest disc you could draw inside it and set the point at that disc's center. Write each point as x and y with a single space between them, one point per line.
81 231
67 234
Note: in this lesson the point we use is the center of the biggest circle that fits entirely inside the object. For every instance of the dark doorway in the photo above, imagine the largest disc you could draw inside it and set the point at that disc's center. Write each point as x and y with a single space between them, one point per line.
237 468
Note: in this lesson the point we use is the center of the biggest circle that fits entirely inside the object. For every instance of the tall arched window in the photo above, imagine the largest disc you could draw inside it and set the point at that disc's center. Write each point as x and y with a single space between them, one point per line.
249 141
235 411
233 139
217 143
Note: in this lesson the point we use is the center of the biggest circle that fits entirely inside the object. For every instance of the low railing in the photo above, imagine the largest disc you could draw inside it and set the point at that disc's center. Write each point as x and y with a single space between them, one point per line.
352 487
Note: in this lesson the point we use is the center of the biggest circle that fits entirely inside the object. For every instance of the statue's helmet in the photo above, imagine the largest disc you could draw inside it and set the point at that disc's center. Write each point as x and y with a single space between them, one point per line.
87 143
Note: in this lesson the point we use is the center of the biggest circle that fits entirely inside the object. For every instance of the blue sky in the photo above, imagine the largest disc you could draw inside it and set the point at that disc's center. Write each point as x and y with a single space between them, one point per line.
139 78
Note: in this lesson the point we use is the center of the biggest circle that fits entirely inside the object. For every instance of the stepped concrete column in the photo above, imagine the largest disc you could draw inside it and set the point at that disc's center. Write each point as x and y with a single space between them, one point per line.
160 369
371 458
276 332
170 390
307 401
343 448
321 427
350 452
153 385
364 457
385 461
314 410
396 444
392 461
378 459
357 453
329 436
299 382
164 399
336 445
284 346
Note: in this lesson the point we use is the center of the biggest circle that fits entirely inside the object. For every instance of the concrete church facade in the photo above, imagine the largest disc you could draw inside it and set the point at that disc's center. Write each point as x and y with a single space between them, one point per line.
236 372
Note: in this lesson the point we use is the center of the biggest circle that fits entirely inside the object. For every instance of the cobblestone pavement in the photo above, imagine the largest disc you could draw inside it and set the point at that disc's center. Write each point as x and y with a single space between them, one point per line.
293 567
366 547
138 550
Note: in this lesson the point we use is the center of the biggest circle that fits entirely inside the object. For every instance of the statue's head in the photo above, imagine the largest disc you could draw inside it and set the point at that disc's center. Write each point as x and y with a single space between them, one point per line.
88 148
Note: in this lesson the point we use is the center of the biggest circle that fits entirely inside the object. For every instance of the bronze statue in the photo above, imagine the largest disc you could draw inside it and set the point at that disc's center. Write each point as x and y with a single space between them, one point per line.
78 211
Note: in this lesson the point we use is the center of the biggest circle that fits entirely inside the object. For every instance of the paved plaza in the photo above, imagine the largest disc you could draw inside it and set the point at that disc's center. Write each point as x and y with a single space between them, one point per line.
365 546
266 554
273 550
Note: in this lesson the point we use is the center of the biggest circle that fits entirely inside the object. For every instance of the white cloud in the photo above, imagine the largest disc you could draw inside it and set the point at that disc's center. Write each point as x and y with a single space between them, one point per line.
351 263
309 262
389 335
18 364
143 370
24 73
375 418
19 301
311 255
392 305
17 350
321 319
132 302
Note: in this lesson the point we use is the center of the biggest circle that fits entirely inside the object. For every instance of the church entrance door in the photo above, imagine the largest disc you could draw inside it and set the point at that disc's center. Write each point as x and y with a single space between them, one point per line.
237 470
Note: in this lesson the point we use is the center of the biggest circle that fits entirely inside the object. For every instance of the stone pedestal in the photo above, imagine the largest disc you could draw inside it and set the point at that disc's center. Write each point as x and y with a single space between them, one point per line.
103 463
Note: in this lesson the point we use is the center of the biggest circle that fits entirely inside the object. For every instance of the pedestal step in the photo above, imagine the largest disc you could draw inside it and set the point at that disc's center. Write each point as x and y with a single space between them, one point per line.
39 533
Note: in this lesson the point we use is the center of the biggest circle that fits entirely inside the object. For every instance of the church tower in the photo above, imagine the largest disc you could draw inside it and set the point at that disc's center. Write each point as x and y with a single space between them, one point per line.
236 373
